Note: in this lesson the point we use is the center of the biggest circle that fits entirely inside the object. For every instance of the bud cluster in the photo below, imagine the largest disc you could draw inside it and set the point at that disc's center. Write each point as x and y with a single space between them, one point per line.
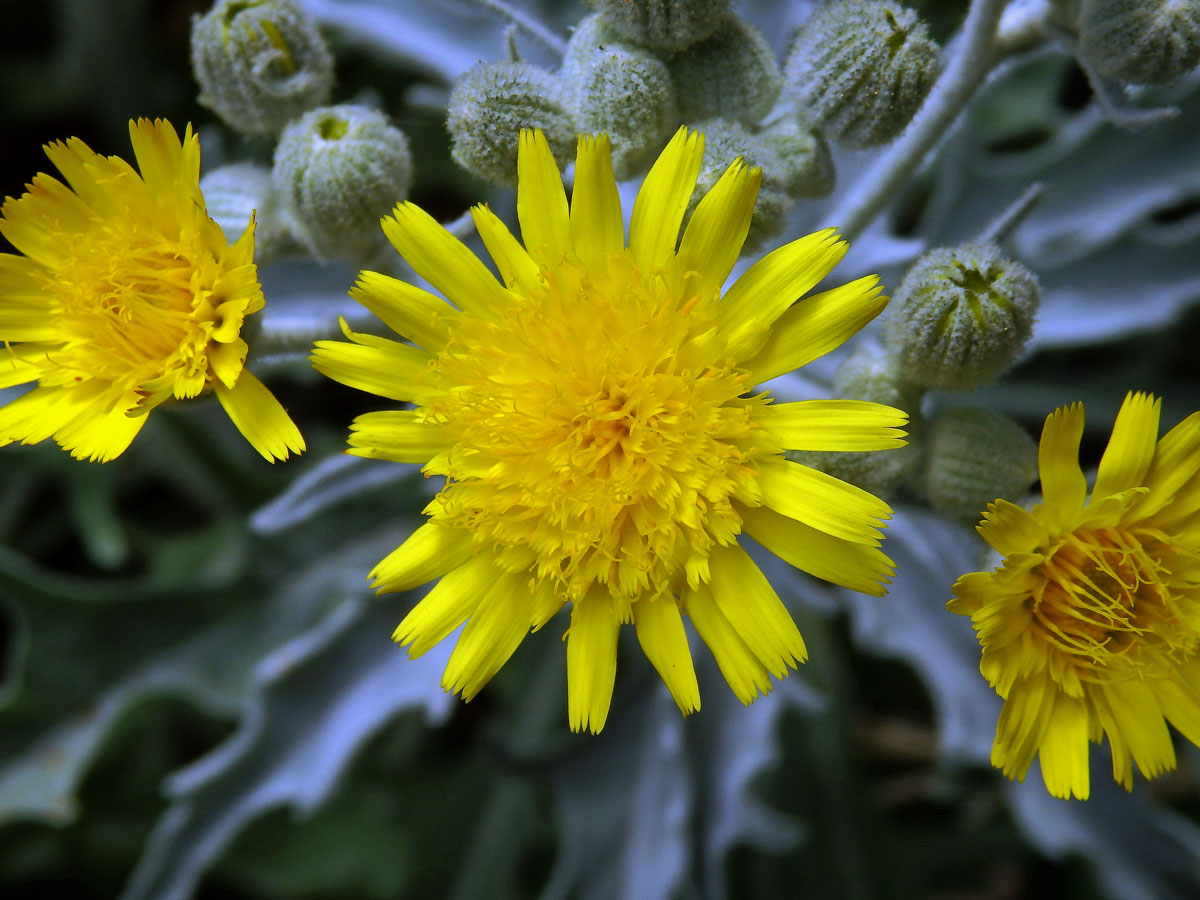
1140 41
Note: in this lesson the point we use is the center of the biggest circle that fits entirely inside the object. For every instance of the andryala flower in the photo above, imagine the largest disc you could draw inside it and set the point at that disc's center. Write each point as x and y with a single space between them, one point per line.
595 420
127 295
1091 627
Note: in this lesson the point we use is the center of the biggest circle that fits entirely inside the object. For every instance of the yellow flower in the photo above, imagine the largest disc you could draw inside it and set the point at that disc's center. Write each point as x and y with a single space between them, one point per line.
127 294
594 419
1091 626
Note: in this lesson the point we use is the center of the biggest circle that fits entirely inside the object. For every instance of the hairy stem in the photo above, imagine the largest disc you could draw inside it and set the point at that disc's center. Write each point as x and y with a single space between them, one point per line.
974 57
527 23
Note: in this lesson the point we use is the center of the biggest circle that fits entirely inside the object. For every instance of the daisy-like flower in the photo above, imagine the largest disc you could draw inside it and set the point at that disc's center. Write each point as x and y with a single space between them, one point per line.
595 421
1091 626
127 294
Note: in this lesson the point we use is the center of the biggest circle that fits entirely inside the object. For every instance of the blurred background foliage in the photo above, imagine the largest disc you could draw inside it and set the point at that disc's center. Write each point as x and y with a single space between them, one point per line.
200 698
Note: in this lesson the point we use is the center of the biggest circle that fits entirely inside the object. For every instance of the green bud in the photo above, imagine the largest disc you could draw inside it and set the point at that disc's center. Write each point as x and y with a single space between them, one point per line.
337 171
260 63
1141 41
868 374
489 105
961 316
666 25
730 75
808 170
860 70
723 143
233 194
975 456
622 90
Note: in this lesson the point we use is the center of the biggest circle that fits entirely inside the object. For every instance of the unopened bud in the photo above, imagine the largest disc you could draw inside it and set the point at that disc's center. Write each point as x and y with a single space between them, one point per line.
619 89
489 105
961 316
260 63
338 170
665 25
1141 41
730 75
808 170
235 193
974 456
860 70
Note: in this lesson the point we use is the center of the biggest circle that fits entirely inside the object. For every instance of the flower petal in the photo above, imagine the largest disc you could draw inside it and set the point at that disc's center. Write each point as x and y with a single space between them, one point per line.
1064 488
1010 529
401 435
516 266
597 227
541 199
260 417
860 567
591 662
491 635
441 258
822 501
813 327
430 552
663 199
746 676
452 600
1063 755
717 229
838 425
387 368
412 313
1130 449
755 611
660 632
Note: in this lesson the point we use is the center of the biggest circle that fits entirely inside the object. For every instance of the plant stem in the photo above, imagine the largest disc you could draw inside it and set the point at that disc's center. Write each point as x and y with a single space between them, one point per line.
973 60
531 25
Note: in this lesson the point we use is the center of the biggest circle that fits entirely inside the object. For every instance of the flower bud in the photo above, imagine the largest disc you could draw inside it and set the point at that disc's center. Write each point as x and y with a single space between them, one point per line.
808 170
236 192
489 105
974 456
868 374
337 171
860 70
723 143
961 316
730 75
622 90
665 25
1141 41
260 63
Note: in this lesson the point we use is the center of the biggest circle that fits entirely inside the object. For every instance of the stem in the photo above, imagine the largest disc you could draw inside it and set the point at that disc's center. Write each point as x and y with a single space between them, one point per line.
531 25
1004 224
973 60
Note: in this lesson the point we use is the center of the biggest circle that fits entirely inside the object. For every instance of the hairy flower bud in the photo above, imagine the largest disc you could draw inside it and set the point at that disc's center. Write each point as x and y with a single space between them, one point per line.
860 69
1141 41
233 194
337 171
489 105
260 63
666 25
974 456
730 75
808 169
869 374
961 316
620 89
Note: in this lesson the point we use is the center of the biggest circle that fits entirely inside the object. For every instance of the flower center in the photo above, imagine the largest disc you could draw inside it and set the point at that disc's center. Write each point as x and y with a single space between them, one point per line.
600 436
1108 604
129 297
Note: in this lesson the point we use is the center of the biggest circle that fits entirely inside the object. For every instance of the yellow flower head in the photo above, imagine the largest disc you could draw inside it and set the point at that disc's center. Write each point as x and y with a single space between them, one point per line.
595 421
1092 624
127 294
